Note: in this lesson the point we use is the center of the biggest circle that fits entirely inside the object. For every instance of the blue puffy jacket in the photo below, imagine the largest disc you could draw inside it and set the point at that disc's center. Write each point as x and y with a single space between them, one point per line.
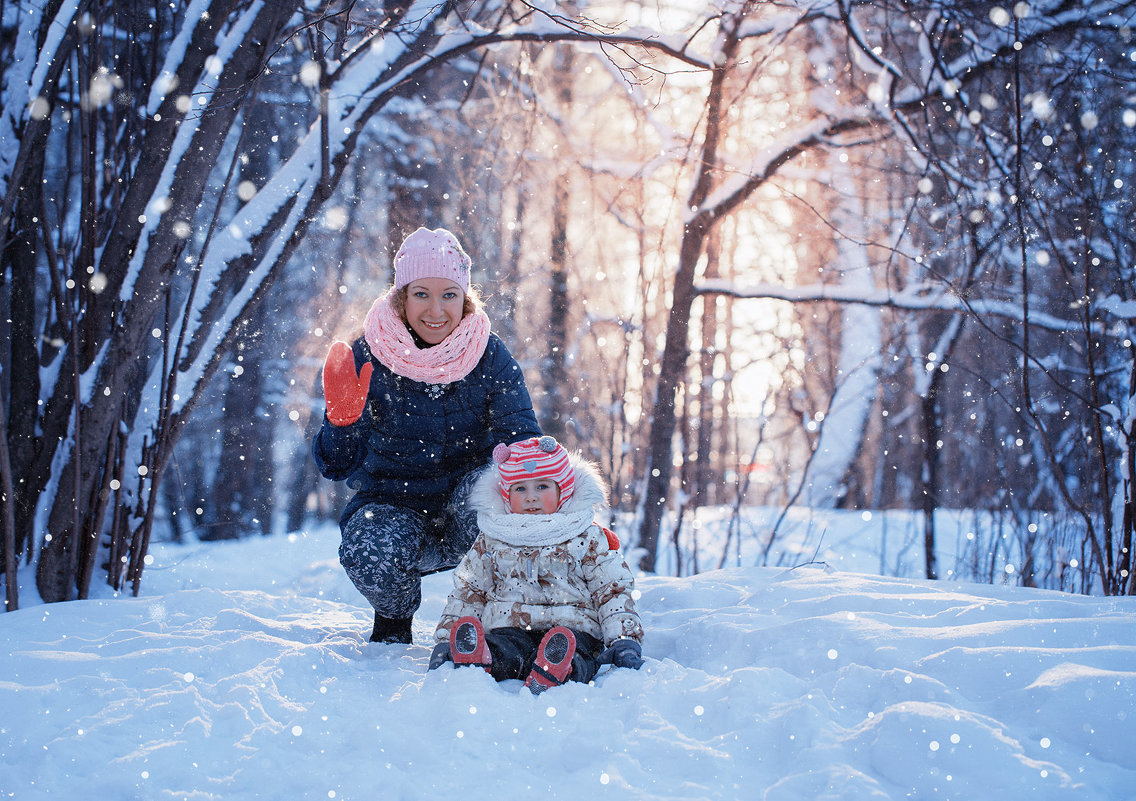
415 442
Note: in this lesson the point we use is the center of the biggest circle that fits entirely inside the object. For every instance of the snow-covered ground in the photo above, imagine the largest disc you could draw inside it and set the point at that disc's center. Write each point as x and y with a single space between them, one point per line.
244 673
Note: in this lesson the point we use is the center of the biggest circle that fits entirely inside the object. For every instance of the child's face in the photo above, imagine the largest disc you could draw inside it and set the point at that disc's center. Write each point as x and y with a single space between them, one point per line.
534 496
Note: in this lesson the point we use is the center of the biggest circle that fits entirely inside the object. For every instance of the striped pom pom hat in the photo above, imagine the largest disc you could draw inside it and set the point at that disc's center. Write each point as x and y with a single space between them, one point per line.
537 457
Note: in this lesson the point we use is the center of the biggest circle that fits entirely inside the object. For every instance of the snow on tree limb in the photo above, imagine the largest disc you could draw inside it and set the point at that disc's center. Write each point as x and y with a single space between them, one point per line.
926 298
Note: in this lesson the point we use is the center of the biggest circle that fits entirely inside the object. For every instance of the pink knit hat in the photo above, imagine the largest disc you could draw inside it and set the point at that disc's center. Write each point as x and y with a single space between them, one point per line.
537 457
431 254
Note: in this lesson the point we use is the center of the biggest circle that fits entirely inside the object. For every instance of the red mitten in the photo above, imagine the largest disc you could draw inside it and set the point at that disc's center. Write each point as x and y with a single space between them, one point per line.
344 392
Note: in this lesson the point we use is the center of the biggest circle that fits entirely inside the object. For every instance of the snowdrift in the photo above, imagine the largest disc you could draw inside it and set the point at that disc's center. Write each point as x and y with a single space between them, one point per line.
244 673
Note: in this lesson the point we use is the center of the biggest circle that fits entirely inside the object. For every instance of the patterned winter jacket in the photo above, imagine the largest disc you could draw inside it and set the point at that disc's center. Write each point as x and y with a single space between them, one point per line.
416 441
539 571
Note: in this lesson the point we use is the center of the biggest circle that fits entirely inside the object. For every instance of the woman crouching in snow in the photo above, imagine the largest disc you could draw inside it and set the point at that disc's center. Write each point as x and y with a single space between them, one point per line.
543 595
414 409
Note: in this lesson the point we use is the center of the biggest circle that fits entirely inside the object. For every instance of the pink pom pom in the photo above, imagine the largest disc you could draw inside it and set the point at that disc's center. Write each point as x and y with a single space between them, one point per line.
501 453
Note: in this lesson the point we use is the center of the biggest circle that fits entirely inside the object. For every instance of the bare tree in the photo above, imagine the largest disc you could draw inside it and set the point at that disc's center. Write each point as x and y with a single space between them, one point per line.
931 107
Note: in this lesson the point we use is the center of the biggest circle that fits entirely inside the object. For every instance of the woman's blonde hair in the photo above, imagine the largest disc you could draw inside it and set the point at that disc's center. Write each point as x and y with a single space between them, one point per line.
470 304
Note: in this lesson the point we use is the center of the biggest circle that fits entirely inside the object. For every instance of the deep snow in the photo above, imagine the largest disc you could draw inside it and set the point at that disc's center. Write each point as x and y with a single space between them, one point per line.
244 673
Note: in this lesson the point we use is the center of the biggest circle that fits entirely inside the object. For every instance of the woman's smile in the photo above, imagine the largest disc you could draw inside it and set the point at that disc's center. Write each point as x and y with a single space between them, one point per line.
434 308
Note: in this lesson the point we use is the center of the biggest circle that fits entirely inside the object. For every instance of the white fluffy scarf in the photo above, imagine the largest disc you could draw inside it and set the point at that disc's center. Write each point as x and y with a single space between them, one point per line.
531 531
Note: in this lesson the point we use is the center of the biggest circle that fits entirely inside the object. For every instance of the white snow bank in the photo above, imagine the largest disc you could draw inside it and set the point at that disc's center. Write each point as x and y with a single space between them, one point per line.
244 673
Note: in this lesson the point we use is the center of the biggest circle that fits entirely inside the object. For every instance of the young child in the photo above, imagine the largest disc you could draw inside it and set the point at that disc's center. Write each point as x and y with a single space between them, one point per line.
543 595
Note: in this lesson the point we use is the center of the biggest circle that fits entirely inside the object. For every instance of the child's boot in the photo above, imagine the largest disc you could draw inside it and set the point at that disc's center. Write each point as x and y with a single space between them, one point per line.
553 660
468 645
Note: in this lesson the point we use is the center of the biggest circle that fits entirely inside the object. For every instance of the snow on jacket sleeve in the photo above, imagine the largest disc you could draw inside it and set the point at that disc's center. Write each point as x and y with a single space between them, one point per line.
612 586
473 579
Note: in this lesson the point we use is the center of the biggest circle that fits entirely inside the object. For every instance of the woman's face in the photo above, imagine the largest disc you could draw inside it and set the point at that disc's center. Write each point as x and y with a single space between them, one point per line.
433 308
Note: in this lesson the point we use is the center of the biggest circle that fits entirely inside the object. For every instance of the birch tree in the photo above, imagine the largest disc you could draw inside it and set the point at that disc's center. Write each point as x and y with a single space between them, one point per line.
859 352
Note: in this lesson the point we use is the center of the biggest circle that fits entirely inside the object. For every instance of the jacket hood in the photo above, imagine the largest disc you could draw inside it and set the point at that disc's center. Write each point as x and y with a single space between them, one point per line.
589 494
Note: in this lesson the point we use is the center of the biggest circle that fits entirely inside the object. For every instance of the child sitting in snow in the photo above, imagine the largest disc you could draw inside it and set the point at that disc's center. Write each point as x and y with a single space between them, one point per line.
543 595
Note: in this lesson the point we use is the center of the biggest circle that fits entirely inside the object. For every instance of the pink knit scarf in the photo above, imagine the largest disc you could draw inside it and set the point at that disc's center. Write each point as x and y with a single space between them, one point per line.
450 360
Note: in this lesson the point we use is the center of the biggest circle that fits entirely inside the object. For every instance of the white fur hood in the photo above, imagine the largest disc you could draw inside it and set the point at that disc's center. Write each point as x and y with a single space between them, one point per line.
588 503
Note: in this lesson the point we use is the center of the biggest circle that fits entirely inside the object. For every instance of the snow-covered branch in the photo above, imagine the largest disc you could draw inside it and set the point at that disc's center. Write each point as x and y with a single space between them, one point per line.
916 299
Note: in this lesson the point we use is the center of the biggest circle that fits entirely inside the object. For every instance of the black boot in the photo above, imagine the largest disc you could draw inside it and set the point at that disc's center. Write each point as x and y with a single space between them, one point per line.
396 630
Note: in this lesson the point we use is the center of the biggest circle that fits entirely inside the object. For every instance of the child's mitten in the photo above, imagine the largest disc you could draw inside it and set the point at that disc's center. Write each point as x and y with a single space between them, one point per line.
624 653
344 392
439 656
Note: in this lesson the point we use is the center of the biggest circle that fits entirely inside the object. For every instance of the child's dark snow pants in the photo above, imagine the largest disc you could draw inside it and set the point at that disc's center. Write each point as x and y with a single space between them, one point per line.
514 651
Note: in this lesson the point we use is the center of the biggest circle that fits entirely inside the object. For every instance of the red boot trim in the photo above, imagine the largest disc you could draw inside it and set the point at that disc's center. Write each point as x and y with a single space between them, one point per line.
467 643
553 660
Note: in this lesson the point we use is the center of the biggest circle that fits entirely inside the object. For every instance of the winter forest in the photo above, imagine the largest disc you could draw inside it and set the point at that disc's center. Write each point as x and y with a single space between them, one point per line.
807 255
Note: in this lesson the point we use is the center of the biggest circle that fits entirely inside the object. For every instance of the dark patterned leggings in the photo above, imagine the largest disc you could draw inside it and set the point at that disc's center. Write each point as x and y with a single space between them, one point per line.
386 549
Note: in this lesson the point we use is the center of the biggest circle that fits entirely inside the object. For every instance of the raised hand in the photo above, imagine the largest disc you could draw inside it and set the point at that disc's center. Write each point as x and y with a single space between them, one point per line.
344 392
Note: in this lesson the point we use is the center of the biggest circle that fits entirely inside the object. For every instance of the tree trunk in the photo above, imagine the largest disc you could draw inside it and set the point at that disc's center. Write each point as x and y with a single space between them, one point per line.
122 368
703 470
1127 486
929 478
859 356
676 348
557 408
672 373
11 561
242 486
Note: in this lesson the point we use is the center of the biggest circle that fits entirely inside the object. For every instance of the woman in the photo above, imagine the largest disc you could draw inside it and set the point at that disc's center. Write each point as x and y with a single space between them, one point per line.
414 409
